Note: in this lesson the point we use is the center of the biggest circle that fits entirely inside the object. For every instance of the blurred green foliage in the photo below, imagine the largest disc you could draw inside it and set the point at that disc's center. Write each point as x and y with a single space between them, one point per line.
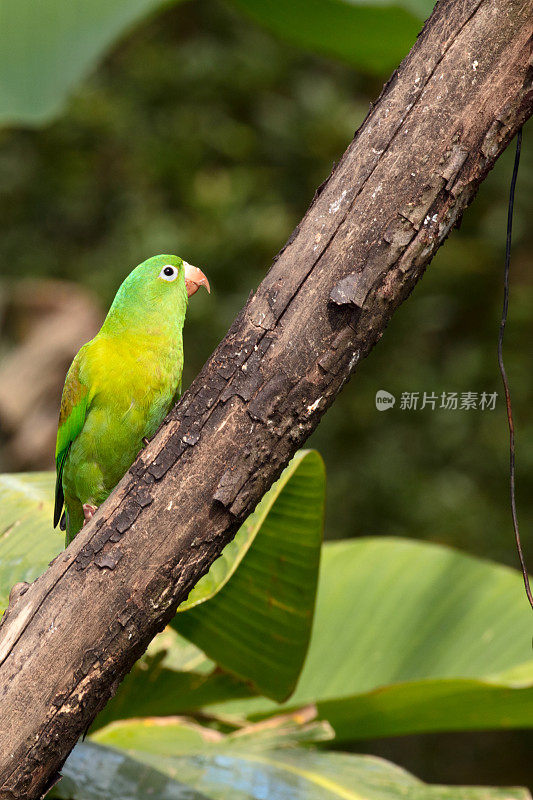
203 135
46 49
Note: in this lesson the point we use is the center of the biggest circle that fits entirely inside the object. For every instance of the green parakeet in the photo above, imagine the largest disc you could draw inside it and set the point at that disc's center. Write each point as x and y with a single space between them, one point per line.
121 385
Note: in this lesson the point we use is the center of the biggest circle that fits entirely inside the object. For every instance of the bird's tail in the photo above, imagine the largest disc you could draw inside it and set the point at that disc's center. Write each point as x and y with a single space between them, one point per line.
74 520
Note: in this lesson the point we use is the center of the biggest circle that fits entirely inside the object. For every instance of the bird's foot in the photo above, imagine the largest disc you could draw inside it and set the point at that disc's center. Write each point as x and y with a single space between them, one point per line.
88 511
145 441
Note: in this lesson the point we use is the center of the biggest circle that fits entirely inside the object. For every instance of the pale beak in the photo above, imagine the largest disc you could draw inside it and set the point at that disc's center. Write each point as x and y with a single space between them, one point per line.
194 278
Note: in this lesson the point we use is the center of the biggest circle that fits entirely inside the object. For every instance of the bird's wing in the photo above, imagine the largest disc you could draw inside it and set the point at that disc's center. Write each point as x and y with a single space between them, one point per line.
74 405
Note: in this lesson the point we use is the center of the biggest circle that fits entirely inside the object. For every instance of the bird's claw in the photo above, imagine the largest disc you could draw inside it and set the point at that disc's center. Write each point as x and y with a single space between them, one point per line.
88 512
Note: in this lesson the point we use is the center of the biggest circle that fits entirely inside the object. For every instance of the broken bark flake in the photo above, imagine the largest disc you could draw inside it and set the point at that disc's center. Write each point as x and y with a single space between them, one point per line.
229 485
455 163
127 515
84 558
206 395
262 316
349 291
143 496
167 458
110 559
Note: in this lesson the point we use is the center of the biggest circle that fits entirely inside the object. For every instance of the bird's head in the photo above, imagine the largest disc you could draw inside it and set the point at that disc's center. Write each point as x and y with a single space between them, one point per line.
160 286
162 274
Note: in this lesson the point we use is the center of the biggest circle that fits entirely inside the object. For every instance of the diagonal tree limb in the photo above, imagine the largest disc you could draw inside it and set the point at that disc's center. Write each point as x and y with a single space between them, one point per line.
414 165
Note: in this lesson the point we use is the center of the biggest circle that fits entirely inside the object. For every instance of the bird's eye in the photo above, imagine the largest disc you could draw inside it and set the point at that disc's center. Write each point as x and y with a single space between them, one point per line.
169 273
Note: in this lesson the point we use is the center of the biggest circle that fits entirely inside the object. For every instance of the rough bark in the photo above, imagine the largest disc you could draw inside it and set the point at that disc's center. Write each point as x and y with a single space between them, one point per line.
403 183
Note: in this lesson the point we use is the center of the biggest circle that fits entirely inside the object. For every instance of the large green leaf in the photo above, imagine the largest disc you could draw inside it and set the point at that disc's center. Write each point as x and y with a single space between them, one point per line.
255 621
28 541
47 47
411 637
374 35
259 766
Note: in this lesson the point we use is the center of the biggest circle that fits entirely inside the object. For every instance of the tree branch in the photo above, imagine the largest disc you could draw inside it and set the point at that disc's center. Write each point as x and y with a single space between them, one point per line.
413 167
